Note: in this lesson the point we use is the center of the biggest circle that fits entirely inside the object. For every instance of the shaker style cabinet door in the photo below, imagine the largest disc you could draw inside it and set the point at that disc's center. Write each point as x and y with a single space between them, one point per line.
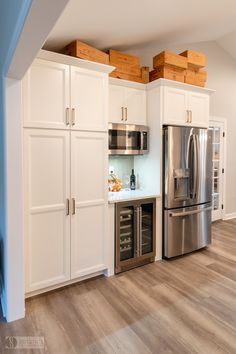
47 225
127 105
46 95
198 105
89 97
116 104
135 106
175 105
89 202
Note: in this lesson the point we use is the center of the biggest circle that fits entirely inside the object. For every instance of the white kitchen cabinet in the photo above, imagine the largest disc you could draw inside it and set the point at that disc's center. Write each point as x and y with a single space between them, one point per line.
198 104
47 190
89 167
89 97
65 171
46 95
61 96
185 107
66 209
175 106
127 104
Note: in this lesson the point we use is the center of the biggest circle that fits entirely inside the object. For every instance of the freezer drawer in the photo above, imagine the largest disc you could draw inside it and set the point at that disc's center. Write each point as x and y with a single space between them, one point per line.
186 229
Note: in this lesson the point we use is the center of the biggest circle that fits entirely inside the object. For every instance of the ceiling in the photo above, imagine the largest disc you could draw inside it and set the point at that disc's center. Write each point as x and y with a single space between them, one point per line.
123 24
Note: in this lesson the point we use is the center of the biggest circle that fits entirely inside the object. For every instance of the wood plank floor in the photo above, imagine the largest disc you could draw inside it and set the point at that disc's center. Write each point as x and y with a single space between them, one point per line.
186 305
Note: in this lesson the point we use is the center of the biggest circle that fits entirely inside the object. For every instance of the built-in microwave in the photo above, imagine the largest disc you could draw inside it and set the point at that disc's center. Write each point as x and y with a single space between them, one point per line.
128 139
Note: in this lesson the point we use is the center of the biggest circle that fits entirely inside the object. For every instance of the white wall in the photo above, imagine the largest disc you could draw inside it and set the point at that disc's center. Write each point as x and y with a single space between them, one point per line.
18 49
221 68
12 16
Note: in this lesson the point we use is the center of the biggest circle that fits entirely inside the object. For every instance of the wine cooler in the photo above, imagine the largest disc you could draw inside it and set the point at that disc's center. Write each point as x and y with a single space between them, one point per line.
135 234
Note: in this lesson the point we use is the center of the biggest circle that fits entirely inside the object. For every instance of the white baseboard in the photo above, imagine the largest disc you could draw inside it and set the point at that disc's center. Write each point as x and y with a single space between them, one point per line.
229 216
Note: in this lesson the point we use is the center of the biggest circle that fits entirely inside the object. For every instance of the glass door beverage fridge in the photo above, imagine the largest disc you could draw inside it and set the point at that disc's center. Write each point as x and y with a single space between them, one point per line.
135 234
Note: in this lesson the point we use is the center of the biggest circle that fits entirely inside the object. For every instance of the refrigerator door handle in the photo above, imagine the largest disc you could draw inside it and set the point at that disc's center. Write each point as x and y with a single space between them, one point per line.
195 166
190 212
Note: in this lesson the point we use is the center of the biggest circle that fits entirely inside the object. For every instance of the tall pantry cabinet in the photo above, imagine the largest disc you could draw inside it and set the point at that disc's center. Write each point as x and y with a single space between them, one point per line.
65 172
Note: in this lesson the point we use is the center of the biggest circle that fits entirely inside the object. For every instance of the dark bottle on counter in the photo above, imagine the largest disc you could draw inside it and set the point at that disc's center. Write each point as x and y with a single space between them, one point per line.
132 181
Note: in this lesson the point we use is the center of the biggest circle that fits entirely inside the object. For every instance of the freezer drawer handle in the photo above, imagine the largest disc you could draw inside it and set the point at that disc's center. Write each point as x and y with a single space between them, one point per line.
190 212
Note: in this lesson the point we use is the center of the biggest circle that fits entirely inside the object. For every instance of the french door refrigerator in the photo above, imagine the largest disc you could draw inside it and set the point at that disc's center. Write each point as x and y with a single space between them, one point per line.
135 233
187 189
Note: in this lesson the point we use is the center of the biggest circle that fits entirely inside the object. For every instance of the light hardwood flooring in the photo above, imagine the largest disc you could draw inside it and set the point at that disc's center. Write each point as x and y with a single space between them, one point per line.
186 305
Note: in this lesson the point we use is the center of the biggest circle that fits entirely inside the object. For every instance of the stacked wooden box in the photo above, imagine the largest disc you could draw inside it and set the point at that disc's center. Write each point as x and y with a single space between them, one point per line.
127 67
169 66
185 67
194 74
84 51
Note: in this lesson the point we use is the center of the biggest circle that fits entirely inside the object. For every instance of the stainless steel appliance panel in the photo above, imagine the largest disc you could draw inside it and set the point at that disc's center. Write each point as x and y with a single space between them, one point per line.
135 233
187 166
127 139
186 229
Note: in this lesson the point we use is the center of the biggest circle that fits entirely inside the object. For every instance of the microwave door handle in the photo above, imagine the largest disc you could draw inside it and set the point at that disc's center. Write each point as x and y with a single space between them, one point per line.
141 141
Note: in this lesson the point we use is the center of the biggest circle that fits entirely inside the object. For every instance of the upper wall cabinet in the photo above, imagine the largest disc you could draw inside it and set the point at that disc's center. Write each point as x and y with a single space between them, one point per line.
89 99
176 103
127 104
61 96
182 107
46 95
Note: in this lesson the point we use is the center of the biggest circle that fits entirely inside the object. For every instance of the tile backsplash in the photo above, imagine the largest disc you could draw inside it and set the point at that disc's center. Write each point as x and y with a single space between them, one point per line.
122 167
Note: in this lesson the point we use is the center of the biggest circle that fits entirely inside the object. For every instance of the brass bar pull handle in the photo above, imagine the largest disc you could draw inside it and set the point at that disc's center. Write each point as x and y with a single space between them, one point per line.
73 116
73 206
191 116
187 118
126 113
67 116
67 207
122 113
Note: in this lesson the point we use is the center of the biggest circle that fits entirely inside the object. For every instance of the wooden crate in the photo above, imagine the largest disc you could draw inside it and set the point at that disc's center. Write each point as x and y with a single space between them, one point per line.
127 69
167 72
195 59
84 51
143 76
169 58
123 60
194 77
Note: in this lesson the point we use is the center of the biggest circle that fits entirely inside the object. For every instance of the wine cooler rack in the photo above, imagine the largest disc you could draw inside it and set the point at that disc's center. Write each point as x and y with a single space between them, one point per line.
135 233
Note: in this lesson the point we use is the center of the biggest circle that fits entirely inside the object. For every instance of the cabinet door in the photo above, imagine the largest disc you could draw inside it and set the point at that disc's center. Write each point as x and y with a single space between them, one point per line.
47 225
46 95
175 105
89 99
198 104
116 104
135 104
126 235
89 167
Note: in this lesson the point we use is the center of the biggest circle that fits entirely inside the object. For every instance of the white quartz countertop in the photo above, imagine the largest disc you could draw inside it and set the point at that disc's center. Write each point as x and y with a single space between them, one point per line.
124 195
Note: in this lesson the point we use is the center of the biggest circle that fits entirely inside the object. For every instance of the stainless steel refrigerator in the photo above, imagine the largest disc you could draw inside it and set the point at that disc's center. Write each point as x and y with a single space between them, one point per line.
187 189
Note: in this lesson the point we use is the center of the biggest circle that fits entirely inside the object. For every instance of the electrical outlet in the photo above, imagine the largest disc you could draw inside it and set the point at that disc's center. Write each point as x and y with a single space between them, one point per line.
111 169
